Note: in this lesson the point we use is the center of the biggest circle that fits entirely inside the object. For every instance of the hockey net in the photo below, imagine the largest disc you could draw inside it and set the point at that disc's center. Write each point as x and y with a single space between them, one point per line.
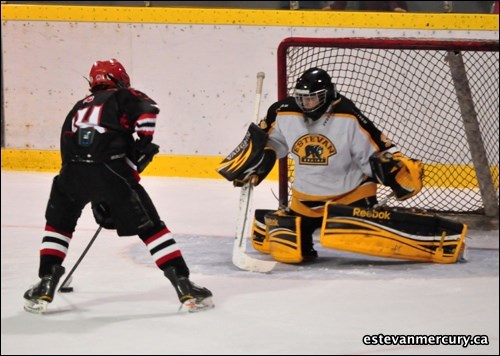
437 100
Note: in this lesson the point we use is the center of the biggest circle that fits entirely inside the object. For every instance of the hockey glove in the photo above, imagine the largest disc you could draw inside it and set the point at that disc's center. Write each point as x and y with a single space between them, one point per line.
145 155
102 215
402 174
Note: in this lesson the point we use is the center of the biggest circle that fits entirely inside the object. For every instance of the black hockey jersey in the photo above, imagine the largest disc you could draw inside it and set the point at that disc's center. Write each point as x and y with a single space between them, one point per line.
101 127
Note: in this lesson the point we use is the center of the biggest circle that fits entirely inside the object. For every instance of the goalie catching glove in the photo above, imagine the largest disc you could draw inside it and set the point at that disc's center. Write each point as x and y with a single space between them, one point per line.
402 174
251 161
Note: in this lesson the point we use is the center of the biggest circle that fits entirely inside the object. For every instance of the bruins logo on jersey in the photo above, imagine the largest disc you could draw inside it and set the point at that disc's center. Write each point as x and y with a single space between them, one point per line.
314 149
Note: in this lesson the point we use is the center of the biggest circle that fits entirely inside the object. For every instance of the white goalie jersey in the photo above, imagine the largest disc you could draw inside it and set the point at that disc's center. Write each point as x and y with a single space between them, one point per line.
331 155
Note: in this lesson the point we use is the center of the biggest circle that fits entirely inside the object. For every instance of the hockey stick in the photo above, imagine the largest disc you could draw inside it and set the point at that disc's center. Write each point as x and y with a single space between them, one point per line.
245 213
65 288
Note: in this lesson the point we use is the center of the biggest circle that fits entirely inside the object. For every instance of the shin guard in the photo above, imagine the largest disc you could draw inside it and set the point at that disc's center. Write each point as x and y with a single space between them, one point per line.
284 237
389 233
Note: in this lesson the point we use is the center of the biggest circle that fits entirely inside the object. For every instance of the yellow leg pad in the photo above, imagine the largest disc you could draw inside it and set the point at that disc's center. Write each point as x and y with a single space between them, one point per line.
388 233
260 238
284 238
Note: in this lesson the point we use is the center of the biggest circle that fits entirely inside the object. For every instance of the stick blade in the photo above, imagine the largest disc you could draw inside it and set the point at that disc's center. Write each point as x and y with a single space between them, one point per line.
66 289
244 223
250 264
65 286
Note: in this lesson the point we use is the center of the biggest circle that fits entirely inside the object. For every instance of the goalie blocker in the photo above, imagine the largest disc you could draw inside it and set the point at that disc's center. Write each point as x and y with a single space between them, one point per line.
251 160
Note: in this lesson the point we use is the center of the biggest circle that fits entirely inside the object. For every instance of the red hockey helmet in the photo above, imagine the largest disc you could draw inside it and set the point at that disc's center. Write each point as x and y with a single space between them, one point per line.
110 73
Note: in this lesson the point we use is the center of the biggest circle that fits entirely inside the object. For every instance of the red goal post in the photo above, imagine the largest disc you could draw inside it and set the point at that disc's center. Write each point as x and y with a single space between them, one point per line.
437 100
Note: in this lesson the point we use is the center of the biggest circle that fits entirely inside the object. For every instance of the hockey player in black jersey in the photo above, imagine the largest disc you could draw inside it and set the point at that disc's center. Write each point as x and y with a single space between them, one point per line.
106 142
339 157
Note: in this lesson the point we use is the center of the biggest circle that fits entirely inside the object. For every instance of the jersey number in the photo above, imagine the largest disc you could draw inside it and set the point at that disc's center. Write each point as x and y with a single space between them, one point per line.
88 117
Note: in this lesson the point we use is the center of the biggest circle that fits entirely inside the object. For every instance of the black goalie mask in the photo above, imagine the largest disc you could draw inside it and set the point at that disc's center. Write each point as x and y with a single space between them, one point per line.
314 92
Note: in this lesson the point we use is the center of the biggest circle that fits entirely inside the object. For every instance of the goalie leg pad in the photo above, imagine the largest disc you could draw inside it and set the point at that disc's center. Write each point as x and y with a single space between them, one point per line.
284 237
393 234
260 237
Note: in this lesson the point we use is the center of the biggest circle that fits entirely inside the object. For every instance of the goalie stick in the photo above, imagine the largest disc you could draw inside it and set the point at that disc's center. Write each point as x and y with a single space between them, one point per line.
245 213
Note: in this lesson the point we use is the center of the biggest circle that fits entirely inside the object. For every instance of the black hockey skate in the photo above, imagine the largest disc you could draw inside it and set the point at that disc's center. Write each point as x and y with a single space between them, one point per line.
40 295
309 254
192 297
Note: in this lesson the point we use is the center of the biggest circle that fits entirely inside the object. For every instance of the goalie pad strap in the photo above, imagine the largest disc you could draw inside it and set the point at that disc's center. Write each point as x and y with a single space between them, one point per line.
388 233
243 160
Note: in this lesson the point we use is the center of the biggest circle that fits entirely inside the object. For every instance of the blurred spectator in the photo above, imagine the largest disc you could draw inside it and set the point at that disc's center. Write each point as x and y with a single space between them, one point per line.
494 7
396 6
301 5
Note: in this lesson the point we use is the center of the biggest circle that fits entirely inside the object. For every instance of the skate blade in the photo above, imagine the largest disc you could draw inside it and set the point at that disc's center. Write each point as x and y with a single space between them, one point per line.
36 307
192 306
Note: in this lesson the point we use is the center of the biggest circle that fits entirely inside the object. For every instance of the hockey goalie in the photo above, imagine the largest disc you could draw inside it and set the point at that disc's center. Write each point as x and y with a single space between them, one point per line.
339 157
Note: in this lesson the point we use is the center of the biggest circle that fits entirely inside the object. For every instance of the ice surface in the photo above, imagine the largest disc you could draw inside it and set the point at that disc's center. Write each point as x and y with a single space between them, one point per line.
122 304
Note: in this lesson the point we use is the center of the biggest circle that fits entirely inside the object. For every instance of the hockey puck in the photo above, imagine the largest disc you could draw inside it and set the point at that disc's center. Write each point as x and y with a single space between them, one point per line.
66 290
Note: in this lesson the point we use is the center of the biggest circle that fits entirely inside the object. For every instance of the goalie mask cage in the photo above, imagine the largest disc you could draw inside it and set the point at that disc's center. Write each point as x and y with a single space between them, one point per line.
437 100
